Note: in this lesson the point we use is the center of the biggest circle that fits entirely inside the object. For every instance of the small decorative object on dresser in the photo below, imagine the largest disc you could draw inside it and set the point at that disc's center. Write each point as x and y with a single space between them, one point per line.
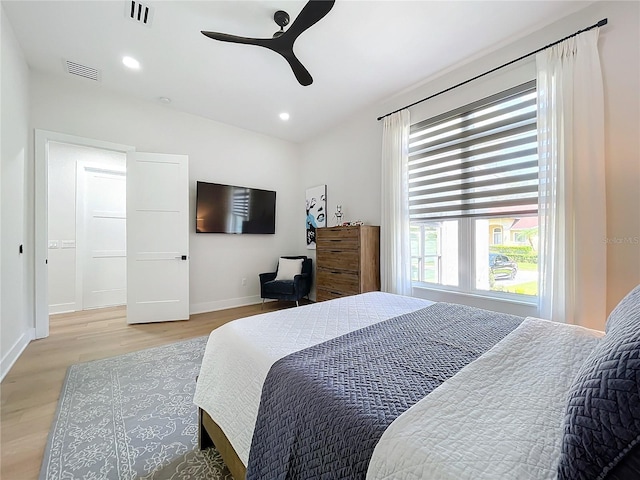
348 261
338 215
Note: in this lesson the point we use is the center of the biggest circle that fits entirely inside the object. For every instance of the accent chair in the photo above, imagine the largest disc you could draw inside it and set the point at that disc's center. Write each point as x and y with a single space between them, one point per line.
291 281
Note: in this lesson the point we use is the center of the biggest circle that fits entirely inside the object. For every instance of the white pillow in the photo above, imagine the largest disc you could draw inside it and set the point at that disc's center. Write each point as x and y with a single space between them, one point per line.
289 268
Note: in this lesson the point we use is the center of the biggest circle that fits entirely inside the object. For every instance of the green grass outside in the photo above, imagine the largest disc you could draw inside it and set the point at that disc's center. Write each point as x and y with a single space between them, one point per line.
527 288
530 267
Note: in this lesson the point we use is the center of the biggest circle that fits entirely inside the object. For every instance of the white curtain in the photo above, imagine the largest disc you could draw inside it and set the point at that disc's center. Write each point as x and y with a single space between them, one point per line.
572 256
395 254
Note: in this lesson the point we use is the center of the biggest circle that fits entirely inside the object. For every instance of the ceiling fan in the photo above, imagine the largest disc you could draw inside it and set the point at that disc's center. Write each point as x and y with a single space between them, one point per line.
282 41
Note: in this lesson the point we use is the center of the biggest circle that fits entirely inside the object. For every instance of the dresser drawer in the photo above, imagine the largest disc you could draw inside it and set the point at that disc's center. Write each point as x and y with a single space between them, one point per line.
343 238
338 281
338 259
322 295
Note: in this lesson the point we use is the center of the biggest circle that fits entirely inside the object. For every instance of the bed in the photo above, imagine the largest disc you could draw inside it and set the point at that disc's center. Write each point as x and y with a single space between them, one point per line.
382 386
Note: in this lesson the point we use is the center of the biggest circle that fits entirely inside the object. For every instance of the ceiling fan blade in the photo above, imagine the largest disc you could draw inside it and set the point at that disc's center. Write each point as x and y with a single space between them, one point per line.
275 44
302 74
225 37
310 14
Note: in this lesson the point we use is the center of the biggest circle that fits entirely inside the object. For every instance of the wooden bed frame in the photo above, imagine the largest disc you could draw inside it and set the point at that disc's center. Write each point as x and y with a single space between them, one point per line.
210 434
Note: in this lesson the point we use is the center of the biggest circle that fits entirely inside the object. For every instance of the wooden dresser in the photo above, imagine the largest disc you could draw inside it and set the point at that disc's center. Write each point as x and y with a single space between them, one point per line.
347 261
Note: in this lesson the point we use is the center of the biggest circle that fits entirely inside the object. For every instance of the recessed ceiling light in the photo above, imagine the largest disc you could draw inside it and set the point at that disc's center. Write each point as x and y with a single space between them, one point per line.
164 99
131 62
284 116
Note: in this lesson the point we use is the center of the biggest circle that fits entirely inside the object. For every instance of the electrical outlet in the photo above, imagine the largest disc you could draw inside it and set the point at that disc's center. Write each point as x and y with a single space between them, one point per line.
244 282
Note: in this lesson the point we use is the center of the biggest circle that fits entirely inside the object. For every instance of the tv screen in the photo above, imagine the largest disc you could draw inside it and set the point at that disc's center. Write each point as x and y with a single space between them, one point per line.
232 209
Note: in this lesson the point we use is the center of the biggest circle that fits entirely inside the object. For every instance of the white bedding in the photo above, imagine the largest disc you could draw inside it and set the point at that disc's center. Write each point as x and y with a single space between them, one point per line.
499 417
239 354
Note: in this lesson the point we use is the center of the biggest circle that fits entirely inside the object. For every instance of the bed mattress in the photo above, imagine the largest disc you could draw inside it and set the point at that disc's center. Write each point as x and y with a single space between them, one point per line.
500 417
240 354
324 408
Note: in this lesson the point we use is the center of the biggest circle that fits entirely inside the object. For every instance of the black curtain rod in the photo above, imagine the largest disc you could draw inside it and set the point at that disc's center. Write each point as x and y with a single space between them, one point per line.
601 23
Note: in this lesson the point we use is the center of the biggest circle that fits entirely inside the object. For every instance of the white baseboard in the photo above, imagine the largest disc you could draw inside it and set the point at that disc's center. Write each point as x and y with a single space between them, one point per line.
63 308
223 304
14 352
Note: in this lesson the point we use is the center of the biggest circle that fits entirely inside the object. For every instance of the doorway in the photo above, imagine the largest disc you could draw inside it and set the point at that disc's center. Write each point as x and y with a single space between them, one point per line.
86 233
47 146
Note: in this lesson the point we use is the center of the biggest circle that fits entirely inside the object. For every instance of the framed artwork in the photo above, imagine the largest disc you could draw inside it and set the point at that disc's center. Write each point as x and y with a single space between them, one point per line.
316 199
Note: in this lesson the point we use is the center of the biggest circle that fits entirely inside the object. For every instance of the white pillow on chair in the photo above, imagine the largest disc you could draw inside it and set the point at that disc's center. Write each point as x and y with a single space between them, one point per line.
289 268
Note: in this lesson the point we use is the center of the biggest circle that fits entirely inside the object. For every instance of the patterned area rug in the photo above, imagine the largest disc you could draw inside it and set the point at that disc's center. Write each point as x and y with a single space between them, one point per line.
132 417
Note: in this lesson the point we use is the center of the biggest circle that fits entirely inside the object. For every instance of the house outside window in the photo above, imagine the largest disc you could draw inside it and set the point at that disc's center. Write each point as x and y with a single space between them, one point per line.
473 197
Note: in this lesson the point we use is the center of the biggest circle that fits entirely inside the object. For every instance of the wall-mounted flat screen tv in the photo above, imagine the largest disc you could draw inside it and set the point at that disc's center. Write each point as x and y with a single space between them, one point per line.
232 209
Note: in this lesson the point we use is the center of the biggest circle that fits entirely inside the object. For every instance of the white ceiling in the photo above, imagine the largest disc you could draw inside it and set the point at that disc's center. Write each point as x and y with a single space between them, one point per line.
362 52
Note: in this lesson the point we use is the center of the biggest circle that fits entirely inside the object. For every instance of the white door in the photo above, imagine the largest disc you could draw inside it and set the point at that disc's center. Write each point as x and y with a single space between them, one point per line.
157 237
104 267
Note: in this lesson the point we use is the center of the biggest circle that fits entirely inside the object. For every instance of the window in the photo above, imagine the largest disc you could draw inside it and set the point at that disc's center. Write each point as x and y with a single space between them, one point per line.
434 246
473 196
519 237
497 235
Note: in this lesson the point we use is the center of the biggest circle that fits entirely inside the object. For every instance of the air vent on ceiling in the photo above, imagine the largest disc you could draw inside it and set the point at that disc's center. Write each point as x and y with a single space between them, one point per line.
139 12
81 70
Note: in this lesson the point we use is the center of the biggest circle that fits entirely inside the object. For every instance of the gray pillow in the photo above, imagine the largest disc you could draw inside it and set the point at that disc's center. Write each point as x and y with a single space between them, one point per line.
623 314
602 419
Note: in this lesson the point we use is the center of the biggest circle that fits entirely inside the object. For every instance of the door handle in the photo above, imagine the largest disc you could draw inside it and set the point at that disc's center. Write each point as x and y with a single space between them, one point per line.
183 257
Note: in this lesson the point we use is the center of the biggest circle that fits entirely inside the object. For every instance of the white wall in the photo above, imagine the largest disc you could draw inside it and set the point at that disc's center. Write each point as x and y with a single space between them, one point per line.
217 153
16 314
62 215
347 160
357 141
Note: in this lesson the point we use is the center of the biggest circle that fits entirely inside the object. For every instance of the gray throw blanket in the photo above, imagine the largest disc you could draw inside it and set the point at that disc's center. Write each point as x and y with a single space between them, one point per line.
323 409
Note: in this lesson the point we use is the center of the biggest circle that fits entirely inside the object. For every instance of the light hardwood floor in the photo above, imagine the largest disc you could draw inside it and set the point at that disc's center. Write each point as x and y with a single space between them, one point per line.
30 391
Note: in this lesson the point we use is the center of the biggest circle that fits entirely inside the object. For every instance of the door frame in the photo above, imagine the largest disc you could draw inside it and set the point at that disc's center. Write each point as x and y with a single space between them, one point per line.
41 220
